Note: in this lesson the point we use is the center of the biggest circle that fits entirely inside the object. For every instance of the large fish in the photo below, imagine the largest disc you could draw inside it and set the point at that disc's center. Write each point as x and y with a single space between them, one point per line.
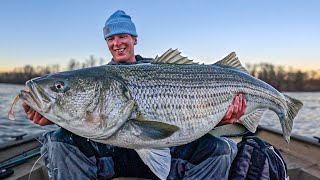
150 107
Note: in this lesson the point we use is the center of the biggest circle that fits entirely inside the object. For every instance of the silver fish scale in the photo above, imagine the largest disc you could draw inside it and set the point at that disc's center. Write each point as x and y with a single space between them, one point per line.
77 100
112 98
192 97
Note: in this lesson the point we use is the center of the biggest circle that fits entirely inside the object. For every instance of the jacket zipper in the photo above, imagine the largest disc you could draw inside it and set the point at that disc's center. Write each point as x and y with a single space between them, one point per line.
285 172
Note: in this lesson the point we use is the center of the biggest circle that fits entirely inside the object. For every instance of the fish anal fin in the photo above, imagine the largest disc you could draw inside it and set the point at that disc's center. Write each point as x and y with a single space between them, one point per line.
232 61
151 130
158 160
252 120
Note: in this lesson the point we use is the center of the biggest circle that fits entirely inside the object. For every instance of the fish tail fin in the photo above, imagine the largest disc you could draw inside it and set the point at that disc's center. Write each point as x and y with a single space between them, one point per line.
294 105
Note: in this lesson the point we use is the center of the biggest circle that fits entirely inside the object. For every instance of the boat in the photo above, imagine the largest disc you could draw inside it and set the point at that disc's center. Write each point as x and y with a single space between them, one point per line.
19 159
302 156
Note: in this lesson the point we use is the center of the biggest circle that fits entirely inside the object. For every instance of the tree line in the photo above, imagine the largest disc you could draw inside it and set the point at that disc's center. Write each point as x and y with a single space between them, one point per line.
281 78
21 74
286 79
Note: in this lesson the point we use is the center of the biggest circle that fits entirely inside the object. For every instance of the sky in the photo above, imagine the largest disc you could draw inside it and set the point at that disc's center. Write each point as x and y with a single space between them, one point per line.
43 33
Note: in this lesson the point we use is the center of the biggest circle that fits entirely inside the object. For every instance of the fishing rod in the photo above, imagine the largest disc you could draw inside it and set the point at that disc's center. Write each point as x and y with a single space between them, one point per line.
8 163
5 172
23 153
19 161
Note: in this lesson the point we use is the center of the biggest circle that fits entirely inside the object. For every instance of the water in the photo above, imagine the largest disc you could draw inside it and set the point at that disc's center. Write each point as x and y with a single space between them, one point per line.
22 125
306 123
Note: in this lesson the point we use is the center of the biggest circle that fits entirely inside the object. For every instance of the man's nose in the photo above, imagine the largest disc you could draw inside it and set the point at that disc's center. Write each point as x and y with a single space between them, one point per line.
117 42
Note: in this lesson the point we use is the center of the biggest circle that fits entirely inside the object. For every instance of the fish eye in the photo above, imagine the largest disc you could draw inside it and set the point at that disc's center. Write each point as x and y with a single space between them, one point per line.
59 85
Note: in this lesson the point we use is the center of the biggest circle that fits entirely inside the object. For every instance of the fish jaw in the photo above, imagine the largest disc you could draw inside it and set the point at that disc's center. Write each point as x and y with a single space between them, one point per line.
89 104
36 98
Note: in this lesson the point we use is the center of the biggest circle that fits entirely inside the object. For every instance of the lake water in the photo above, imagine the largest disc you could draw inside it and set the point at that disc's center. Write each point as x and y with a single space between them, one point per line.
22 125
306 123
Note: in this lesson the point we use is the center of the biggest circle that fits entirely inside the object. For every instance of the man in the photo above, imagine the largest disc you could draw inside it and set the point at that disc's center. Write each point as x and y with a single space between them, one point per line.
69 156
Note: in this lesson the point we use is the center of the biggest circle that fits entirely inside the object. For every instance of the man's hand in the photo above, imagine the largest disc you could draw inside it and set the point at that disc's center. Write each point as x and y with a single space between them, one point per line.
235 111
34 116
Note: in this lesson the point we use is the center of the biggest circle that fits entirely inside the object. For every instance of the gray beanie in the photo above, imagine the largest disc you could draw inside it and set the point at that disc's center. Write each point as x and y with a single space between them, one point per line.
119 23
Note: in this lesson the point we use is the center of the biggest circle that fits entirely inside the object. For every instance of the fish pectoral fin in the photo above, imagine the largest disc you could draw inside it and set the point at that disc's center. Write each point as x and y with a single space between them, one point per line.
252 120
158 160
152 130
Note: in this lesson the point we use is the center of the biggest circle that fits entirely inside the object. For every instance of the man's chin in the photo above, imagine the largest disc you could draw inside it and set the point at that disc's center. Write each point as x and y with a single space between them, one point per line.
121 59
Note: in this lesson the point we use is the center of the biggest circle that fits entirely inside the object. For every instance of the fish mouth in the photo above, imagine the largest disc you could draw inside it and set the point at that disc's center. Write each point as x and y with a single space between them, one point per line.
36 98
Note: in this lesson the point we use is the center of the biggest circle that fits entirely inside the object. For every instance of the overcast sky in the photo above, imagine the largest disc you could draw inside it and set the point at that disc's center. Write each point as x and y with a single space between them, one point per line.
283 32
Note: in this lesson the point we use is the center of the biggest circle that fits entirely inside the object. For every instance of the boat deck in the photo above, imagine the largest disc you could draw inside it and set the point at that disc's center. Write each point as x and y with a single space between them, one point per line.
22 171
301 155
301 169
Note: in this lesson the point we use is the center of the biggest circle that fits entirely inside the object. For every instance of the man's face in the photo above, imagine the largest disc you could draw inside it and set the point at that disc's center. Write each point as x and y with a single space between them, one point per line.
121 47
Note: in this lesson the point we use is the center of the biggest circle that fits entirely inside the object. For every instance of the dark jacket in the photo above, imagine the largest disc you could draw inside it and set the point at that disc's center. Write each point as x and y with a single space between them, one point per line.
139 60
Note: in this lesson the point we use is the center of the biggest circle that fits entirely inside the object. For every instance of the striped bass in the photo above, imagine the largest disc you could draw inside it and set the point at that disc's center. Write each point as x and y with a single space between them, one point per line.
150 107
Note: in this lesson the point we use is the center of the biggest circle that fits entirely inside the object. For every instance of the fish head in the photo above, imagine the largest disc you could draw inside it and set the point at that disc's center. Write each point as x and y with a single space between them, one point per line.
85 102
62 96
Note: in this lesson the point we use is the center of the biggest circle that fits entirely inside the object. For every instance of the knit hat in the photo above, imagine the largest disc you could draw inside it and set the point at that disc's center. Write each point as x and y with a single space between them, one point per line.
119 23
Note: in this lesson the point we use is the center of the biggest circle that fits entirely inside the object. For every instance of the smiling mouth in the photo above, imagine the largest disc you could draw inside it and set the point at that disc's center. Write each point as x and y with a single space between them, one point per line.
120 50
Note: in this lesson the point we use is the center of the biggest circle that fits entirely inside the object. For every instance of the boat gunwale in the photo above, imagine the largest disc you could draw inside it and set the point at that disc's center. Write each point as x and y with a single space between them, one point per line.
14 143
294 137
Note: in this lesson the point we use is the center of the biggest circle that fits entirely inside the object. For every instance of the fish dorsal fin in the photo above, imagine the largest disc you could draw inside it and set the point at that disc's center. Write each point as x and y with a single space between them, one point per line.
172 57
232 61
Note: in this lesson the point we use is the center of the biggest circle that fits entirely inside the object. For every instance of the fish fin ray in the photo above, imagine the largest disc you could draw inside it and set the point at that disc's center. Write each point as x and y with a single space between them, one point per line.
151 130
158 160
294 106
163 55
172 57
252 120
232 61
